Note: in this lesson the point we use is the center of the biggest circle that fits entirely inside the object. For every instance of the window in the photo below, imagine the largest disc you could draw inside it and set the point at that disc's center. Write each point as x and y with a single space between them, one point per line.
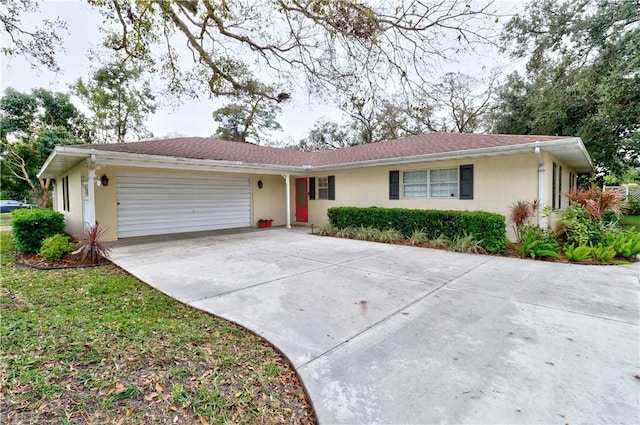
560 187
554 179
65 194
437 183
323 188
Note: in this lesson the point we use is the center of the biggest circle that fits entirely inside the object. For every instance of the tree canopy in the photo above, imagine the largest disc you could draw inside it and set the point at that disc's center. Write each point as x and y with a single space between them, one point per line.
246 46
583 77
32 124
120 100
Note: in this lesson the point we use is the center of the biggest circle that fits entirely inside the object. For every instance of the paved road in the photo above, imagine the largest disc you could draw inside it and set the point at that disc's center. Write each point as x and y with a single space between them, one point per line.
392 334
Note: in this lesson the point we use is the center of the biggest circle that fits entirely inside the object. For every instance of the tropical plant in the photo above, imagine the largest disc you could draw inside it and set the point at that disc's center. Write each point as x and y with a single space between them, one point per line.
391 236
602 253
625 244
575 225
596 202
467 243
440 242
418 237
521 215
327 229
367 234
347 232
537 244
92 245
55 247
576 254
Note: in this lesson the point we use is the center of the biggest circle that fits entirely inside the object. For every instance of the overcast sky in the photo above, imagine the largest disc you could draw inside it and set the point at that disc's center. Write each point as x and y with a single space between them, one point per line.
189 118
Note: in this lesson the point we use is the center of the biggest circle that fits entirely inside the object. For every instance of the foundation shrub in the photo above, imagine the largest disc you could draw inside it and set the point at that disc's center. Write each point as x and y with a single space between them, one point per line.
488 228
32 226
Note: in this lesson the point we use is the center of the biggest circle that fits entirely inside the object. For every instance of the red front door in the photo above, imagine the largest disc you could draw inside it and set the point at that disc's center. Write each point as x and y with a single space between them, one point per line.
302 205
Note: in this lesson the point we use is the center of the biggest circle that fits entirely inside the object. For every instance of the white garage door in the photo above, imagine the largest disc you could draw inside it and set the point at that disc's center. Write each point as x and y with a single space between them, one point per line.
161 203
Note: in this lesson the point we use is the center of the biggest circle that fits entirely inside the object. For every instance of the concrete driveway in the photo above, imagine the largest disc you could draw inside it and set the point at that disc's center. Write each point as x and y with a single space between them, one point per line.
393 334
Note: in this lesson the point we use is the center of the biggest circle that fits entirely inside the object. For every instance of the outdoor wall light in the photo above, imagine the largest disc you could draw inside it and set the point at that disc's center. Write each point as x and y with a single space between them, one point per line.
260 184
104 180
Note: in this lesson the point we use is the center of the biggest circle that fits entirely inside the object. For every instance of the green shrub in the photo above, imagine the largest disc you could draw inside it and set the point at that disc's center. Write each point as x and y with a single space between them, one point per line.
348 232
55 247
327 229
488 228
602 253
31 227
467 243
625 244
418 237
537 244
633 208
578 228
391 236
577 254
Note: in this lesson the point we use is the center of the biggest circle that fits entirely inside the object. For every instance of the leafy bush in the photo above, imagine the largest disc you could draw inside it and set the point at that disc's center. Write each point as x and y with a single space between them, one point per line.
633 208
596 202
577 254
537 244
440 242
391 236
625 244
602 253
327 229
418 237
367 234
467 243
522 213
55 247
32 226
347 232
489 228
580 229
92 245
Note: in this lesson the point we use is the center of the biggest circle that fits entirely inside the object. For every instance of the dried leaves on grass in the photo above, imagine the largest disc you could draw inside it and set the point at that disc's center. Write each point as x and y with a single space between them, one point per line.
98 346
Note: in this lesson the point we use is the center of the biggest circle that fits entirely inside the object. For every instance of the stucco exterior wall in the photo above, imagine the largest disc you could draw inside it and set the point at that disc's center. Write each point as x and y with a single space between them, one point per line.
72 218
498 183
268 202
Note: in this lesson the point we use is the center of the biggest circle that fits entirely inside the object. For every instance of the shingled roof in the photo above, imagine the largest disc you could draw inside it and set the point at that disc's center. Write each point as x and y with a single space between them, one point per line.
202 152
221 150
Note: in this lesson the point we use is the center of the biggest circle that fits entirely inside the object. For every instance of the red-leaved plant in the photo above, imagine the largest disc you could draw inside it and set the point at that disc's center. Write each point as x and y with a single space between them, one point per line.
92 245
522 213
596 202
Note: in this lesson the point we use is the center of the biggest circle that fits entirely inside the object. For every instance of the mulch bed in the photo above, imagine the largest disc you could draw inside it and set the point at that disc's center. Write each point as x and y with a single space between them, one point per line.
66 262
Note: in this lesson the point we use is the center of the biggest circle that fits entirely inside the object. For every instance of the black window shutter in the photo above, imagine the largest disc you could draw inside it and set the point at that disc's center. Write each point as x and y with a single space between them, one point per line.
332 187
394 184
312 188
466 181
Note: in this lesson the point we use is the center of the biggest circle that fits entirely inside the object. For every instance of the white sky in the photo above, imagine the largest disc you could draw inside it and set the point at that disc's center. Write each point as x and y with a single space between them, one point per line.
188 118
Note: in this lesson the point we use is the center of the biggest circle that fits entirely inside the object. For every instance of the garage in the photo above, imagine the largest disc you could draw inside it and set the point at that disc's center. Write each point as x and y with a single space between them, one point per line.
163 203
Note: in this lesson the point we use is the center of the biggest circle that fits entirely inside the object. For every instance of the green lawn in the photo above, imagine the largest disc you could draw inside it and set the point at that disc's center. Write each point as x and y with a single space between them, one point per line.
98 346
629 221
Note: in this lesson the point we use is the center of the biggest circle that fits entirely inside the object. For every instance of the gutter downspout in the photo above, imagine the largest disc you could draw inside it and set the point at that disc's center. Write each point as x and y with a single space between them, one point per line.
540 184
288 189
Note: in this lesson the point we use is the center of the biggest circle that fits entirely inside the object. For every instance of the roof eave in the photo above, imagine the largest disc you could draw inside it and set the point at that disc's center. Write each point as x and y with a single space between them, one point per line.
469 153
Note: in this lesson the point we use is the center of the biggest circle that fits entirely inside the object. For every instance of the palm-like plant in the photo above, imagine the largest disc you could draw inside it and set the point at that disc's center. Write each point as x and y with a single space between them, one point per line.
92 245
596 202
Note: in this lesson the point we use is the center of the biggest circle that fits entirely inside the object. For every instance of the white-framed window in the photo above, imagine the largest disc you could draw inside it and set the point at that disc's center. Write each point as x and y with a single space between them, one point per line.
323 188
435 183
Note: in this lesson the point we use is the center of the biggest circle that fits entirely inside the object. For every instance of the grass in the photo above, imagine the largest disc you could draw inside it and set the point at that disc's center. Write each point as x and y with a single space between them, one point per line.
98 346
629 221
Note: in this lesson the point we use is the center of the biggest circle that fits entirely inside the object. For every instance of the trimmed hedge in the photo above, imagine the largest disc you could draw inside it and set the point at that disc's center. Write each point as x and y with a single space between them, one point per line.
488 228
31 227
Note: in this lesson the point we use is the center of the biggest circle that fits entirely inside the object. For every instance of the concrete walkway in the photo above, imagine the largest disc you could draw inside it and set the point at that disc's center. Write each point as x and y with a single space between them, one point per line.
392 334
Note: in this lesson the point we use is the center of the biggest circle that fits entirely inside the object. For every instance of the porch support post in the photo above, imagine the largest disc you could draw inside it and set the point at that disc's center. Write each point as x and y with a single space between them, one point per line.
90 214
288 189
